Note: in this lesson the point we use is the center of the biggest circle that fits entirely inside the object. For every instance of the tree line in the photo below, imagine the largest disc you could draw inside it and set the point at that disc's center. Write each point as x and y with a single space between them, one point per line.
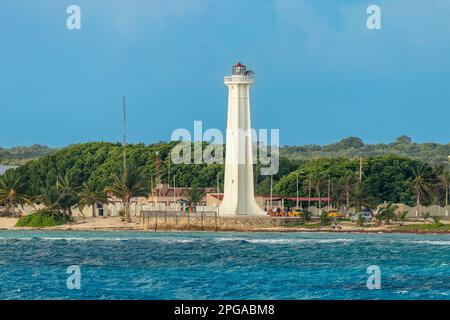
83 174
351 147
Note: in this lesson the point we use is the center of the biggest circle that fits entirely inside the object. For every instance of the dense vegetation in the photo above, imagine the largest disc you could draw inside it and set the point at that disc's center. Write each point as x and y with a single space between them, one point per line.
97 162
389 178
349 148
87 174
432 153
42 219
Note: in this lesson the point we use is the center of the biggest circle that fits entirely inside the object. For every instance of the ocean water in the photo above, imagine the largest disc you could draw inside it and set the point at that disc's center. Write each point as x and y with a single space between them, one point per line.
148 265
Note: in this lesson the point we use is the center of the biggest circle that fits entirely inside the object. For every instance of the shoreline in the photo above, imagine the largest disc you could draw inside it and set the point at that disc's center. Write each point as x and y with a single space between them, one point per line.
113 224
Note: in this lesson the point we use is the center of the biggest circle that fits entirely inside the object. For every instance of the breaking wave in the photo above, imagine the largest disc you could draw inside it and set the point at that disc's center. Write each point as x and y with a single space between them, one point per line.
433 242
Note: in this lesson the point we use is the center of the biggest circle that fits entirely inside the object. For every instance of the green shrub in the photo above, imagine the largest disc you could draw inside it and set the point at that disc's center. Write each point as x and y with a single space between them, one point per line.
425 216
42 219
324 219
306 215
360 221
122 215
436 220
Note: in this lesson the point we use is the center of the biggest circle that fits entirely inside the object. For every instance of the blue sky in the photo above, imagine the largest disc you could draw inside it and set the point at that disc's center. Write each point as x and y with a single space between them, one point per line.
321 75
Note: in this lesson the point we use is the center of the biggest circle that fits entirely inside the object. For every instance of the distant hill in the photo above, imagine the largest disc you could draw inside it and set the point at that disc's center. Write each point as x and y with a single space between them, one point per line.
20 155
353 147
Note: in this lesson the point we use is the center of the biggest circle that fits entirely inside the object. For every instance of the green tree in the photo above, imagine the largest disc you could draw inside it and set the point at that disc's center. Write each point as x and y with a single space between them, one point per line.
387 212
348 182
403 140
324 219
11 192
402 216
444 183
360 198
90 195
67 189
306 215
50 198
423 184
129 184
195 195
318 180
425 216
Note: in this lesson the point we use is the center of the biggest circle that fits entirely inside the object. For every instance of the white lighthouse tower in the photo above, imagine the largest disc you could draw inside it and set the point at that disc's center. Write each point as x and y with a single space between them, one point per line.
239 197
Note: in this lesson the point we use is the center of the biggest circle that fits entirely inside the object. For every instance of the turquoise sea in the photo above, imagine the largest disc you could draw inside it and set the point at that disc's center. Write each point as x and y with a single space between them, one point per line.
146 265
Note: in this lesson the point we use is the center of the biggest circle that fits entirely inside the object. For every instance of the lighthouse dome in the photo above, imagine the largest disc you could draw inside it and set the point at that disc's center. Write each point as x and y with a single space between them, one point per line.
239 69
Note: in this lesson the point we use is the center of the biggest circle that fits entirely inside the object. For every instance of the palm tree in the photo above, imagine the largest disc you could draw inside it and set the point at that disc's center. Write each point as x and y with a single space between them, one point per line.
130 183
91 195
348 181
387 212
318 180
359 198
423 184
11 192
68 192
444 182
337 190
401 217
425 216
50 198
195 195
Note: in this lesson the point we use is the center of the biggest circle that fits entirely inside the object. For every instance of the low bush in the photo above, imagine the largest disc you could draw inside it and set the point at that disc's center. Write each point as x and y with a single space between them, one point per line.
42 219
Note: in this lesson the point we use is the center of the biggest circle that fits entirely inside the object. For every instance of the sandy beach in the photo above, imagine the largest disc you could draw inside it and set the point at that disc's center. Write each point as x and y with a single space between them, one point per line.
86 224
115 224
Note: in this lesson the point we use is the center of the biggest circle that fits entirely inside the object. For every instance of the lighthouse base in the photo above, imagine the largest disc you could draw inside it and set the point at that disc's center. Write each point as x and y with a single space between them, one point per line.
241 209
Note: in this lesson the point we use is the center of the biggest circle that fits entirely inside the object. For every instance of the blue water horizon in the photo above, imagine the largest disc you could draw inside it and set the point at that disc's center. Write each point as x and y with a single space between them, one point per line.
222 265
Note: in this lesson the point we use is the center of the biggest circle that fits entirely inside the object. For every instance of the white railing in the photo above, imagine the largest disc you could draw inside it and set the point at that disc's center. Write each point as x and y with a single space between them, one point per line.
239 79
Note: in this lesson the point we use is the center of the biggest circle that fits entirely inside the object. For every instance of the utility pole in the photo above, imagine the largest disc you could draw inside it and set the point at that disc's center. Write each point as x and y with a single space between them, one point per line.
151 186
309 191
296 206
168 172
360 169
271 185
158 178
447 191
217 186
174 193
329 192
124 126
217 193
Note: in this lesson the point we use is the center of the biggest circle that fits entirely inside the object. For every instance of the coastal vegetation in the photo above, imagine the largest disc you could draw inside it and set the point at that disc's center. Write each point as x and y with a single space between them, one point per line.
129 184
90 195
353 147
12 193
42 219
350 148
83 175
424 227
195 195
389 178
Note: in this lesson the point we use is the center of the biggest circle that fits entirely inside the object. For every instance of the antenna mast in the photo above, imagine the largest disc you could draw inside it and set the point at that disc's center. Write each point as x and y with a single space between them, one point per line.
124 143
